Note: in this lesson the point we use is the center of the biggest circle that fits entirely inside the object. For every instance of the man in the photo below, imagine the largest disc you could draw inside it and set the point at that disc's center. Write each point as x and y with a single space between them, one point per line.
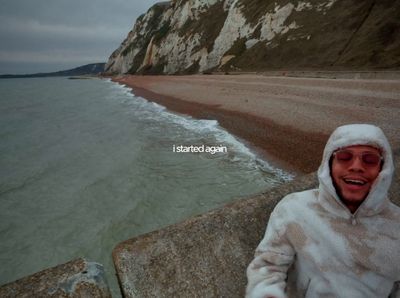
342 239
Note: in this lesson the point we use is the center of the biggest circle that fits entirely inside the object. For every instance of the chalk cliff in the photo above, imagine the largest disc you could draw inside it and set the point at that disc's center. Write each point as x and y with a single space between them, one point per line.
191 36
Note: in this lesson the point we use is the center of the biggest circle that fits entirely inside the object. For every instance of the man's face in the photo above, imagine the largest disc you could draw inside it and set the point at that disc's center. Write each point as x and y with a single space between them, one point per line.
353 172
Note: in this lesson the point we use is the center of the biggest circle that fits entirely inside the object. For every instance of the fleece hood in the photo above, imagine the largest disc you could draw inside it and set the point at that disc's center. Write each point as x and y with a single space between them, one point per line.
349 135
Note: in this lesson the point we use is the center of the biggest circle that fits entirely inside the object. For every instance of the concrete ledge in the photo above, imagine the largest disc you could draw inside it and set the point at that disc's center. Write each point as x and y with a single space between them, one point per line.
77 278
204 256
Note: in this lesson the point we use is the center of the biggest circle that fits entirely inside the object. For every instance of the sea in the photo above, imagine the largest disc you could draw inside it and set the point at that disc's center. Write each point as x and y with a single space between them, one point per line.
86 164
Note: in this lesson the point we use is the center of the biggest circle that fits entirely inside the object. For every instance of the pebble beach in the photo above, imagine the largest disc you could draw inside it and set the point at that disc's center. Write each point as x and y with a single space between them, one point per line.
286 119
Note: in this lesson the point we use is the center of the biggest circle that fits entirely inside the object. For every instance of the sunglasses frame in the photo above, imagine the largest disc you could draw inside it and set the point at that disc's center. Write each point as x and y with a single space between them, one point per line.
361 156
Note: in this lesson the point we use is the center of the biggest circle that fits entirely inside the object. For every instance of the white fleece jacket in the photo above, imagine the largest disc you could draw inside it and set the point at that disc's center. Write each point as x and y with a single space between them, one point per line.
315 247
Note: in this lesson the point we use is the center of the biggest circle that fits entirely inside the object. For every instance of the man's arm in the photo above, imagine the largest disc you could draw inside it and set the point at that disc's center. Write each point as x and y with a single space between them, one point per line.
267 272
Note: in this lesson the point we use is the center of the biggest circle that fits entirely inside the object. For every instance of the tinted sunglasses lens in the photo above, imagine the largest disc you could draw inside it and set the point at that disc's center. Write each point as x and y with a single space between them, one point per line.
344 156
371 159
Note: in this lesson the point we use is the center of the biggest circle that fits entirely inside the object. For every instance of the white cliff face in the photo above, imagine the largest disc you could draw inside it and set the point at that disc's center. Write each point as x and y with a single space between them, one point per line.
191 10
273 23
176 52
180 49
121 61
234 27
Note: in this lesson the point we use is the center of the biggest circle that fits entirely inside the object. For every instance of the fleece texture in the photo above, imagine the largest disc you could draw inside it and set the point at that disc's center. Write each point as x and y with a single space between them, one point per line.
315 247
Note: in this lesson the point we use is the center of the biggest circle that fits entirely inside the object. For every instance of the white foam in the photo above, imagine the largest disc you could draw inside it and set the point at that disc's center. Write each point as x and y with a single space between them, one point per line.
125 89
156 105
155 111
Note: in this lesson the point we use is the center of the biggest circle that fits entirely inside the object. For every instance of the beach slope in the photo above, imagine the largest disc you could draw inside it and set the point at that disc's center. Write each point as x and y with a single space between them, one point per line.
286 119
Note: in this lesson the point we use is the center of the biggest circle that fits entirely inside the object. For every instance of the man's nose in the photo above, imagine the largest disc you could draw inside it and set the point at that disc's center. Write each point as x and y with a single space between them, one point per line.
356 164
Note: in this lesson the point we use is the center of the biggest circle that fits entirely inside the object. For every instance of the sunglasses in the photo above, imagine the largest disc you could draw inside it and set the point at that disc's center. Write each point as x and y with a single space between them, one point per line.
368 158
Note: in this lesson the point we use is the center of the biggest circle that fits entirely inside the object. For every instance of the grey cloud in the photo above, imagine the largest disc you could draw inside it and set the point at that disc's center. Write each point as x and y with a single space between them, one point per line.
71 32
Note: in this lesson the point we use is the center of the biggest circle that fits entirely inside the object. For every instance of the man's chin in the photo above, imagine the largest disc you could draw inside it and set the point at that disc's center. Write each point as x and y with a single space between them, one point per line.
353 200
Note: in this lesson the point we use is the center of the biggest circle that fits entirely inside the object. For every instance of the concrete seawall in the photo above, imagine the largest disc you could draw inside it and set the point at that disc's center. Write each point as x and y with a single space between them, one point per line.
203 256
78 278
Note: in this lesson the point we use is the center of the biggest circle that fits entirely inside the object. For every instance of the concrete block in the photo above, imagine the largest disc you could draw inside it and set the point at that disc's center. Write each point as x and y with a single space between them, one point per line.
77 278
204 256
207 255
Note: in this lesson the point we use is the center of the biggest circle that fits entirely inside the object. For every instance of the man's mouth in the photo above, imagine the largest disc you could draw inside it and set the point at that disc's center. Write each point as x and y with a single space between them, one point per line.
354 181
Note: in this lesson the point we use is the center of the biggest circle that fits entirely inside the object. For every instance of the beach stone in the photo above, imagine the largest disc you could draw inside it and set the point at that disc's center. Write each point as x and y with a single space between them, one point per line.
207 255
77 278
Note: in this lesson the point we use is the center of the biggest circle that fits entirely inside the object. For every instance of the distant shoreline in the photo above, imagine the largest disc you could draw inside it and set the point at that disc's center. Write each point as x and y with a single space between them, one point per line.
93 69
286 119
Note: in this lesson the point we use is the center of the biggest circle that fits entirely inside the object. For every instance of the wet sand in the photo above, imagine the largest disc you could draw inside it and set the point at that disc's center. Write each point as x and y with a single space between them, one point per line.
287 120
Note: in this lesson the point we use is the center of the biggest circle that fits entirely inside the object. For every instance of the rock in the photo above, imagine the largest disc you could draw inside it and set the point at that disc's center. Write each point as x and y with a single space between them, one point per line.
77 278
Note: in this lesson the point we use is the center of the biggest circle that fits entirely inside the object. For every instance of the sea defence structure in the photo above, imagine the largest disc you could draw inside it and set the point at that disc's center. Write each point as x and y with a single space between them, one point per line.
77 278
203 256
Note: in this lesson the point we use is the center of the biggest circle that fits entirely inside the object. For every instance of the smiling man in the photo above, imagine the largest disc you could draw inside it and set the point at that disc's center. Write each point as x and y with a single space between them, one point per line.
353 171
342 239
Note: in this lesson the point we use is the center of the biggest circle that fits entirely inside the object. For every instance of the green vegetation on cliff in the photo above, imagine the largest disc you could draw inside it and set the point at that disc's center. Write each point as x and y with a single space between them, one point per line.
194 36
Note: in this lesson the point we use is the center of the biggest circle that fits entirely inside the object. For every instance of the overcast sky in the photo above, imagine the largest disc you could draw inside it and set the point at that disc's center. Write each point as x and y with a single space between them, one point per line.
52 35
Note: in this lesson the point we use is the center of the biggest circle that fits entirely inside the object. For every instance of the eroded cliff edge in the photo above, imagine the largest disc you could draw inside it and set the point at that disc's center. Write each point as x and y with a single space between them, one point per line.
192 36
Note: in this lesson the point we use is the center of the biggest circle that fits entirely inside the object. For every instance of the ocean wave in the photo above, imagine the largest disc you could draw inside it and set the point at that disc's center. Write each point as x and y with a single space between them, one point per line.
201 129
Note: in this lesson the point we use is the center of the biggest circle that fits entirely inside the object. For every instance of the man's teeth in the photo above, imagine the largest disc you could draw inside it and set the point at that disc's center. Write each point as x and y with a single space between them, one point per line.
353 181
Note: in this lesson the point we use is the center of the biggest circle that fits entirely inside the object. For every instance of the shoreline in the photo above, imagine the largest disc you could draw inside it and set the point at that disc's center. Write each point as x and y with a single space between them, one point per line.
284 120
279 145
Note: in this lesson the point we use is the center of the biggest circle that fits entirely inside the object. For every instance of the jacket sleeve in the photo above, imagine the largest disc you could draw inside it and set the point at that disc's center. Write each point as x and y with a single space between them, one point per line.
267 273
